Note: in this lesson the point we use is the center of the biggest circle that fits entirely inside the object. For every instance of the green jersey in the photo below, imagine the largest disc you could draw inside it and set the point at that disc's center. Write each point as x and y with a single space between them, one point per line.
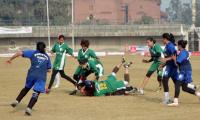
91 67
61 51
156 52
88 54
108 86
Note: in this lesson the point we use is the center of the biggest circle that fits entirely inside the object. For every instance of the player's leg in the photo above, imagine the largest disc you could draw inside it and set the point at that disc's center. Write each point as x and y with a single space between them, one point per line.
63 75
57 81
77 73
151 70
29 84
21 95
165 80
32 102
177 92
53 75
117 67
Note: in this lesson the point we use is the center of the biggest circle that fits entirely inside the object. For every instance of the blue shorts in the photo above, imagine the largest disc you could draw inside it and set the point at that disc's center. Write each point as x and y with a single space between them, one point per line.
185 76
37 84
171 72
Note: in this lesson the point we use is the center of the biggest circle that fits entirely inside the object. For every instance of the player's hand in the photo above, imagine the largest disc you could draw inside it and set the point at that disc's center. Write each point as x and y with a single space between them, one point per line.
47 91
145 61
8 62
174 57
163 60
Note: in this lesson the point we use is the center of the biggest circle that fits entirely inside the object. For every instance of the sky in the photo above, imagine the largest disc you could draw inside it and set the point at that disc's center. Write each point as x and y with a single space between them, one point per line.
165 3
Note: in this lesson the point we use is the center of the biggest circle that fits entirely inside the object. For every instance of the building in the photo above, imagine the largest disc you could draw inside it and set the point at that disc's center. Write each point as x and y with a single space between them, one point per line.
116 11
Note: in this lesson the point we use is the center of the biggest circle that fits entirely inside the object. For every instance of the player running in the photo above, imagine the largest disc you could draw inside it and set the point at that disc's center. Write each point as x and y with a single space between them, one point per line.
185 73
36 77
171 70
156 53
110 86
61 49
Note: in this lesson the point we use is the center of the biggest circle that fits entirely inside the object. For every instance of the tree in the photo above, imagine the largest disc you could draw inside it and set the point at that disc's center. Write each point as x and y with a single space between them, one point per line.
179 12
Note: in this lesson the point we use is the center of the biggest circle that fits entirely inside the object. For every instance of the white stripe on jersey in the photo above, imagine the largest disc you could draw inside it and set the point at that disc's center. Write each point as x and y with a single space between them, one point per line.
62 61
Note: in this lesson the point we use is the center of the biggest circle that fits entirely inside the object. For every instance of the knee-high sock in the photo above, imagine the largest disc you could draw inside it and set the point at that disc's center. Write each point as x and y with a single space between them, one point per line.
33 100
21 95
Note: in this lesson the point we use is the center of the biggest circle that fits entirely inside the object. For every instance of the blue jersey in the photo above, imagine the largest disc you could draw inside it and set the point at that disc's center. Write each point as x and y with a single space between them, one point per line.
183 61
40 63
169 51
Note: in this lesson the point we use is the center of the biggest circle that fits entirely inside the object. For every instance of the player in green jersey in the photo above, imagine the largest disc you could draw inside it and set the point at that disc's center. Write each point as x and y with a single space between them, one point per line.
60 49
86 53
92 66
110 86
156 53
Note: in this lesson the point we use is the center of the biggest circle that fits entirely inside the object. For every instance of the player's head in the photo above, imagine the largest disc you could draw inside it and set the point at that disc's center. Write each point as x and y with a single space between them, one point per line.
83 62
88 88
61 38
150 42
85 44
168 37
41 47
182 44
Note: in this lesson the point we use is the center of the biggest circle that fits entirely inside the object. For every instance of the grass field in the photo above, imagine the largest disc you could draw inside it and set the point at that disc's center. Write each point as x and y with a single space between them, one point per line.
60 106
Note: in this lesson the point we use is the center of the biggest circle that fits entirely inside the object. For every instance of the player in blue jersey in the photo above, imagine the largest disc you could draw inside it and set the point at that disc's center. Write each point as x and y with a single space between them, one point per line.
185 73
170 70
36 77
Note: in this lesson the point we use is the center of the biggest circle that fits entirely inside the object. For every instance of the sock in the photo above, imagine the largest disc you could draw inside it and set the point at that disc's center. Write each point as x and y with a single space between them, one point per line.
175 100
166 94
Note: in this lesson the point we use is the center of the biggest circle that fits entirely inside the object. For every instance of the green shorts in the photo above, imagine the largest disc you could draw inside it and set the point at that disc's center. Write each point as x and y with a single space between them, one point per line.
115 84
154 67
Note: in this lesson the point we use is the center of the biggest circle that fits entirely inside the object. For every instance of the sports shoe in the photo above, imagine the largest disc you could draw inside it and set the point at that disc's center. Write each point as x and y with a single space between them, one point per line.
127 65
56 86
14 104
130 90
28 111
174 104
123 59
167 101
140 91
73 92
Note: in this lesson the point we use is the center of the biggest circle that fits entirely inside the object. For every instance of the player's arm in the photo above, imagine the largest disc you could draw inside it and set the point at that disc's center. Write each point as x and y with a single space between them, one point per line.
93 55
14 56
70 52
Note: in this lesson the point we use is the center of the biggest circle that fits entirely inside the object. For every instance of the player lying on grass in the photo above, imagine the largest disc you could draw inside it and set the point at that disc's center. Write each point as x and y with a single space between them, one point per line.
156 52
87 67
185 73
36 77
110 86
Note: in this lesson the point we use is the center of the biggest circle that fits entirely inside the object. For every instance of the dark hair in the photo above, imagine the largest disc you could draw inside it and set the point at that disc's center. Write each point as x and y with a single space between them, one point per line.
89 87
82 61
41 47
151 39
182 43
85 43
61 36
170 37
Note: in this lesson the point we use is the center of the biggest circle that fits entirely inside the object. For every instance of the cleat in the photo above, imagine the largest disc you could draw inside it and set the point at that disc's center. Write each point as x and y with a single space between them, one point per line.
123 59
127 65
73 92
130 90
167 101
56 86
28 111
14 104
174 104
140 91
